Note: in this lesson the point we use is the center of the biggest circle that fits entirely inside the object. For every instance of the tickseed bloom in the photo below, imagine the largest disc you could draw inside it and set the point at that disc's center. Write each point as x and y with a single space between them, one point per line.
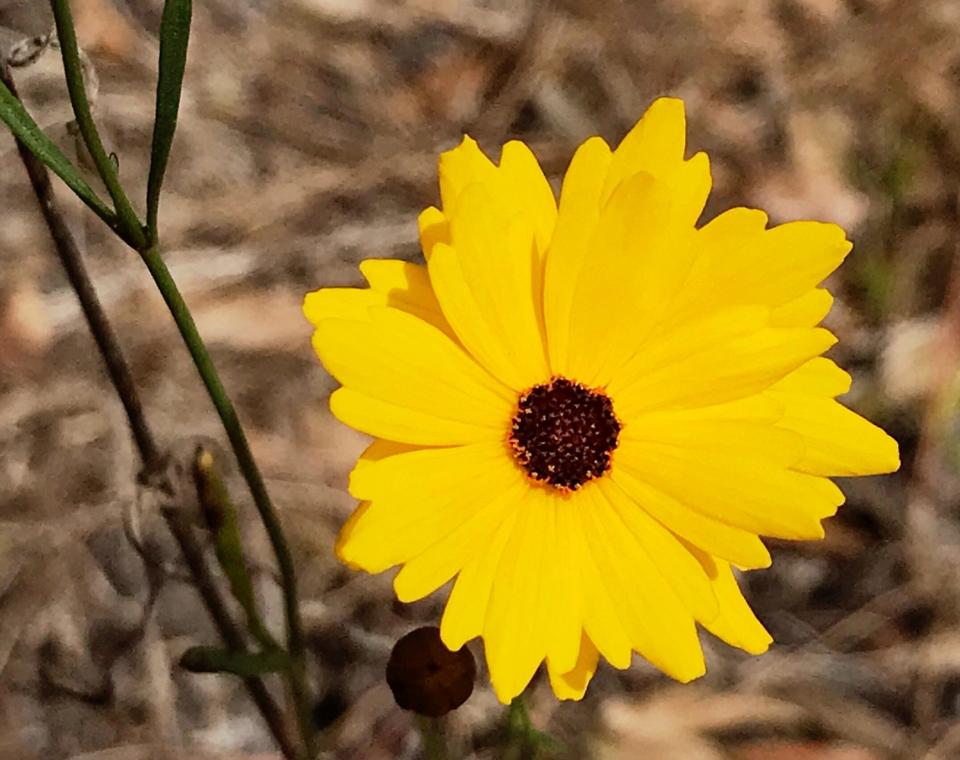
587 412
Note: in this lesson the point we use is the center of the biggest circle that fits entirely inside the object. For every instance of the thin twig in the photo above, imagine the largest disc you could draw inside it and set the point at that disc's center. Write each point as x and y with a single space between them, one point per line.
150 455
72 262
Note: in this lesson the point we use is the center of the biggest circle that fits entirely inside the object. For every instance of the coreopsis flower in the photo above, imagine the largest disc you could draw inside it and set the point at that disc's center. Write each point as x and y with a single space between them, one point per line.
587 412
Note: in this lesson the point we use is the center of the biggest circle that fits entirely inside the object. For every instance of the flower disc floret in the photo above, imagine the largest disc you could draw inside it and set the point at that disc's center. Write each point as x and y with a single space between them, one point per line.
564 434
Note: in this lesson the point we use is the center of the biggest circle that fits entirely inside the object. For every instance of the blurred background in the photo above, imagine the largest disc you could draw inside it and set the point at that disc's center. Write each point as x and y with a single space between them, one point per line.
308 140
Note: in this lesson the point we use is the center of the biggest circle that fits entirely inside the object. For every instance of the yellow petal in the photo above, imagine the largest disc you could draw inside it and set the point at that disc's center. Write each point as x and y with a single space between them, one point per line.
418 498
461 167
393 471
373 453
340 303
433 229
743 430
436 565
398 359
736 624
806 311
406 287
667 638
838 441
572 684
756 494
740 438
674 562
602 616
381 449
637 260
740 262
818 377
730 232
689 187
564 584
499 264
516 628
576 220
674 344
394 283
654 146
525 189
466 611
715 374
528 190
792 258
516 187
343 539
760 408
476 330
401 423
741 547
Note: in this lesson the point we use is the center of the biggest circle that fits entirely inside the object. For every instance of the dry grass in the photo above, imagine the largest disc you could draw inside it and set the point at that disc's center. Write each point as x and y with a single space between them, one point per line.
308 139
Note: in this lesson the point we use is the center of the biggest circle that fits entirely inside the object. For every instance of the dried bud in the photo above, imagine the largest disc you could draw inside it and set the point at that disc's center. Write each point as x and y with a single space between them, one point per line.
428 678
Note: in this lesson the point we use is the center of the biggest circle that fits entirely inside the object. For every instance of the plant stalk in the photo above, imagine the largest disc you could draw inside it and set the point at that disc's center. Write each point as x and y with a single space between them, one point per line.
133 233
251 473
518 718
150 456
523 741
431 735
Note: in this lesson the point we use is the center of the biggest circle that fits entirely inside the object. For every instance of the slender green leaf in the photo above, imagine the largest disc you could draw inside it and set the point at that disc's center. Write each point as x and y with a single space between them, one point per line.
205 659
174 36
25 129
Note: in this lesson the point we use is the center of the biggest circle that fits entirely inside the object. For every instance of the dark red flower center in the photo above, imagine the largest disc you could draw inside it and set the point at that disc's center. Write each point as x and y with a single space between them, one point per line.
564 433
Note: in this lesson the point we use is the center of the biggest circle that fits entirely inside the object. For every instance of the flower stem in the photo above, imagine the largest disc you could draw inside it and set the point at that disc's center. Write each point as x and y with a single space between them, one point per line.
133 233
434 747
518 717
251 473
128 222
150 455
523 741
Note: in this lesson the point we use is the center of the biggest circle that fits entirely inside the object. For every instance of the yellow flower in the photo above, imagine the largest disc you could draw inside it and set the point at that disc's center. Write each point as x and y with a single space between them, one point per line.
587 414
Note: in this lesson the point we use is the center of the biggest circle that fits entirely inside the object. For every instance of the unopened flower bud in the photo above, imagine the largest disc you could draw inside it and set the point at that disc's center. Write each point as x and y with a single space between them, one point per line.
428 678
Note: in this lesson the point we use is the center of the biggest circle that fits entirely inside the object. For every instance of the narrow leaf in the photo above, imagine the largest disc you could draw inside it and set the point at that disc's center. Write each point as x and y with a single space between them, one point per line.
206 659
174 36
25 129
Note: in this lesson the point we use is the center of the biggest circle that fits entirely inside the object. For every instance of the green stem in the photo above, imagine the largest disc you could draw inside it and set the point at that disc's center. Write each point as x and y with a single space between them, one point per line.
434 747
523 741
251 473
134 234
129 223
150 455
518 718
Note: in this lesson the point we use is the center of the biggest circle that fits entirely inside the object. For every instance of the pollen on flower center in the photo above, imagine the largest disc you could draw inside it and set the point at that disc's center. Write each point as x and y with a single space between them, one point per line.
564 433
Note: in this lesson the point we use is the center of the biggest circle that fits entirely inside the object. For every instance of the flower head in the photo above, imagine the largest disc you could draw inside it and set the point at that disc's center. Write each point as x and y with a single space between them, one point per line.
587 413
